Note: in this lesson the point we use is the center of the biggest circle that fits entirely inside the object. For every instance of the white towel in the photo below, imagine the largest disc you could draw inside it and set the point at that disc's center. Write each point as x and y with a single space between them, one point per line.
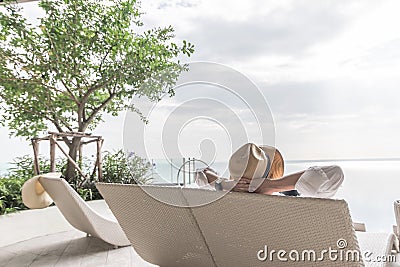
322 182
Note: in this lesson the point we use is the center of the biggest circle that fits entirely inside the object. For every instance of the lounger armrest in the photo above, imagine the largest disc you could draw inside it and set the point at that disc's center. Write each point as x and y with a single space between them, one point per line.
374 245
359 227
396 228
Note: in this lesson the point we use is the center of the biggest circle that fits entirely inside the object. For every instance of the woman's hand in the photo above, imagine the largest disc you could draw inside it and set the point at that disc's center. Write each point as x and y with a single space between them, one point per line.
255 185
243 185
267 186
211 175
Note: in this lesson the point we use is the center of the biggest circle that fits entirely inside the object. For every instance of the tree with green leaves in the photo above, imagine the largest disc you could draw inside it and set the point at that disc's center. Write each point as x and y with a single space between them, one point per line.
82 59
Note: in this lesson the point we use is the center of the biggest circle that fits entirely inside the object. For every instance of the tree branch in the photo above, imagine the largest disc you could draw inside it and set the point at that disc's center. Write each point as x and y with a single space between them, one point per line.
40 114
97 109
104 58
38 81
96 87
54 48
102 85
70 92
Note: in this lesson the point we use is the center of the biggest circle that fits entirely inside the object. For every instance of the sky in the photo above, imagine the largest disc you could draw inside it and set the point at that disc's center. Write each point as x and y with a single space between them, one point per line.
328 72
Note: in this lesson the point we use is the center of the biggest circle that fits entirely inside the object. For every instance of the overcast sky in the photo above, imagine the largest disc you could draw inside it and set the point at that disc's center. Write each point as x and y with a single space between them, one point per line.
329 71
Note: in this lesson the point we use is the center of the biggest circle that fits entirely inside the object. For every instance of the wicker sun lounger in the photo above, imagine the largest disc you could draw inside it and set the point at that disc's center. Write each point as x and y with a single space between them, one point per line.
237 230
79 214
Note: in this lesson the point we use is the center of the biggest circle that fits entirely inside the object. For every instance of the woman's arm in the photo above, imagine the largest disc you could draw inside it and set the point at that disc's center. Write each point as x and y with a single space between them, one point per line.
267 186
211 176
227 184
258 185
315 181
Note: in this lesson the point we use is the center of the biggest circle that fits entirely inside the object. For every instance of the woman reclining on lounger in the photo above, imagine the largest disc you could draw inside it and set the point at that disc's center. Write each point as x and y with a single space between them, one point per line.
260 169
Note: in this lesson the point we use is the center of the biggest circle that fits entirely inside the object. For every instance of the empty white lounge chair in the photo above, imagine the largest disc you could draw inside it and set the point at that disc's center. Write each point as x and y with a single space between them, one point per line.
79 214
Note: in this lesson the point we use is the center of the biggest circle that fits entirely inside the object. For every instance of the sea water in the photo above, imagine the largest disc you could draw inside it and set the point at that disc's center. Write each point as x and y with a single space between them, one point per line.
370 186
3 168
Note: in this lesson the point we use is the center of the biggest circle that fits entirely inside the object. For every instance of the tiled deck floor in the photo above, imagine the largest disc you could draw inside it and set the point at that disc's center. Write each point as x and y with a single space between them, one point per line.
70 248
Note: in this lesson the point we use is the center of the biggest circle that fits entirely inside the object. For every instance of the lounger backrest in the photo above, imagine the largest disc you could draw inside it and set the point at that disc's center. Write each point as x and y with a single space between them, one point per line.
162 234
233 230
239 225
71 205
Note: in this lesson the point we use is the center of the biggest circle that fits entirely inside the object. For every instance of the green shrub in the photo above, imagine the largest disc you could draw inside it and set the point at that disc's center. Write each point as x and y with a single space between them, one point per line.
117 168
10 195
10 186
120 168
22 167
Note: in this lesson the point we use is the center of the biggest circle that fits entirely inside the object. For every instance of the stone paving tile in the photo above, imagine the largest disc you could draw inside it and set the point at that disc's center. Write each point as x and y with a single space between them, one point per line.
5 257
45 261
24 259
71 248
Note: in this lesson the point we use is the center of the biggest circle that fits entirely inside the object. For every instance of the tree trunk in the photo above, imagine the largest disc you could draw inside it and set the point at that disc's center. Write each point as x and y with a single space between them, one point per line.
73 153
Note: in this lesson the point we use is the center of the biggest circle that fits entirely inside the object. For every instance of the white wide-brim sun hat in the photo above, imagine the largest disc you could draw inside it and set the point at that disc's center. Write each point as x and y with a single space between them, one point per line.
252 161
33 194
